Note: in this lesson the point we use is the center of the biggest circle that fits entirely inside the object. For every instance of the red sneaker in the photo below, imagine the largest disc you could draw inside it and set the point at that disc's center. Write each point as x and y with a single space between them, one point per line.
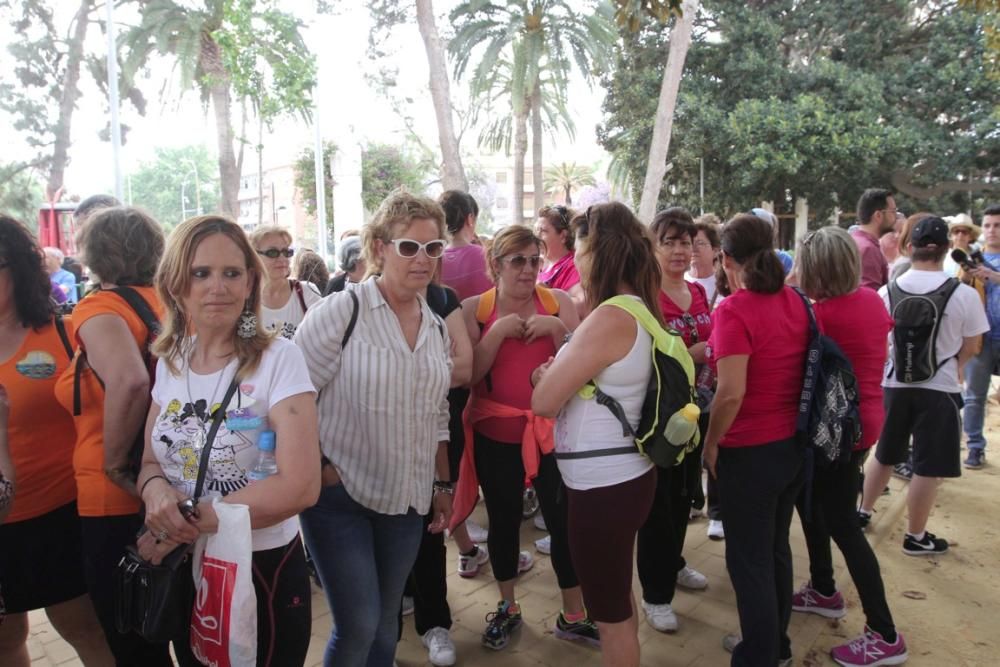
870 650
809 600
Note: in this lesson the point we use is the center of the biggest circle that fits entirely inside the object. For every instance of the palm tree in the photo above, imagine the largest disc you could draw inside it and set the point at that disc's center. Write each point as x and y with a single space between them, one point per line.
568 176
534 36
196 36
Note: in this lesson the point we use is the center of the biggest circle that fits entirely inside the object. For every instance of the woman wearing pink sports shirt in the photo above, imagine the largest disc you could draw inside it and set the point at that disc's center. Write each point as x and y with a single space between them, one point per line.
559 269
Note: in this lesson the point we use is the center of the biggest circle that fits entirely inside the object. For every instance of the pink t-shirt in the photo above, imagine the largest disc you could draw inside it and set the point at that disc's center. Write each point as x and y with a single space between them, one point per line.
874 267
509 380
773 329
859 323
464 270
561 275
698 312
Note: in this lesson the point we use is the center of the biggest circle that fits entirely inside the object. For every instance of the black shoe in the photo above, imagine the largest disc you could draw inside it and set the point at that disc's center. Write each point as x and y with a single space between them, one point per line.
931 545
903 471
864 518
499 625
975 459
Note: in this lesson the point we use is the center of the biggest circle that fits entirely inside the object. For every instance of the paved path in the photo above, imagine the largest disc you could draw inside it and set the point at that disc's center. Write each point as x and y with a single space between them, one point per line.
947 608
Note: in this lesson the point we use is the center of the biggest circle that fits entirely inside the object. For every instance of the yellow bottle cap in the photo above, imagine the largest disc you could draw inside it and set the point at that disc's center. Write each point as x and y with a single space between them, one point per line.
691 412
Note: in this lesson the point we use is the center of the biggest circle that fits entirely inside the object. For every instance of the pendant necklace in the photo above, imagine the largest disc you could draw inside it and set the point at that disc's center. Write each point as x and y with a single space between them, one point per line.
202 436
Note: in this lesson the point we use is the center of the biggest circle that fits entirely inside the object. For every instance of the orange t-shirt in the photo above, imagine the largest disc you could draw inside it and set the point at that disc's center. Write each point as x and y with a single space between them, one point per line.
96 494
40 433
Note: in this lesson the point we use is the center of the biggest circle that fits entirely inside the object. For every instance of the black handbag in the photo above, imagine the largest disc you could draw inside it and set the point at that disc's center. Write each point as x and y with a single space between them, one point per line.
155 601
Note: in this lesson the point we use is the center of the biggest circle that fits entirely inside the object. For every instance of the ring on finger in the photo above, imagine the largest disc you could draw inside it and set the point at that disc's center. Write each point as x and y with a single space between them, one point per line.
162 535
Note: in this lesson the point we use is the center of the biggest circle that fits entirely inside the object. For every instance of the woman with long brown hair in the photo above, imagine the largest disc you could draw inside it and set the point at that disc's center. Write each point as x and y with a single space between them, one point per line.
615 257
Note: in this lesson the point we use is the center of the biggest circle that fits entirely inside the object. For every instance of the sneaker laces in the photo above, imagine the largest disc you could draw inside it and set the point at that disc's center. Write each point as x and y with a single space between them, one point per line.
497 618
437 638
860 645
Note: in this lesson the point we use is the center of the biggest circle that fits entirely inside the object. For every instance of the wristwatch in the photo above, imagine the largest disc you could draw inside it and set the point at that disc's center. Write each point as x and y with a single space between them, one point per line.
444 487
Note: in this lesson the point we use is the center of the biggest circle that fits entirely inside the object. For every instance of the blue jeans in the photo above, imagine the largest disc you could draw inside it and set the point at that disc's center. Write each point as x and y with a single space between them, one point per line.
977 386
363 559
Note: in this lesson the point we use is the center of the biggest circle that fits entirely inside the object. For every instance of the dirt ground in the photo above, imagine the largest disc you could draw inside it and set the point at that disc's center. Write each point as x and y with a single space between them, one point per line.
948 608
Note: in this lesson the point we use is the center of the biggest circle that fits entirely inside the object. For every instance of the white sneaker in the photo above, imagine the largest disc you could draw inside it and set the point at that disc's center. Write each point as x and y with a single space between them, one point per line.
540 522
476 532
692 579
696 513
407 605
730 642
524 562
440 648
468 566
715 531
544 545
660 616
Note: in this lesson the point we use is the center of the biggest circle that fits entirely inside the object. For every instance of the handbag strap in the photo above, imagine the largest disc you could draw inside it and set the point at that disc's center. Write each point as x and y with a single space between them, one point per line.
210 438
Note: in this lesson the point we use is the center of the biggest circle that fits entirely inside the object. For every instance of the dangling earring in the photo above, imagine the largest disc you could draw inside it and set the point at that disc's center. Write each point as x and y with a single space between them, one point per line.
246 326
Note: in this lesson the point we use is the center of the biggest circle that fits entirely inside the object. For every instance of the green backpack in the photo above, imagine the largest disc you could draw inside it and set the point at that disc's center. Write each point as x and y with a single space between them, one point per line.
670 394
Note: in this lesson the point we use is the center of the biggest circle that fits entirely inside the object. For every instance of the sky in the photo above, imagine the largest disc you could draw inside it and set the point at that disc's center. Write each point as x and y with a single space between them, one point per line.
348 109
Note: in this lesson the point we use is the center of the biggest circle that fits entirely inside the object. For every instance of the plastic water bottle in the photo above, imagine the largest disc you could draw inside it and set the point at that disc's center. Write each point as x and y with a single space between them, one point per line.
266 464
682 425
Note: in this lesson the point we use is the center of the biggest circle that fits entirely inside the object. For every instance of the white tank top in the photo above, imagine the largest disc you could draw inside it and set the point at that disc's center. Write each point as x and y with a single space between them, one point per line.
584 425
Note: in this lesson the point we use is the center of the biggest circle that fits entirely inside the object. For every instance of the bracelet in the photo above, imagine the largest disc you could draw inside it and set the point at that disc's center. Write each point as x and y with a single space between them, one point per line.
444 487
146 483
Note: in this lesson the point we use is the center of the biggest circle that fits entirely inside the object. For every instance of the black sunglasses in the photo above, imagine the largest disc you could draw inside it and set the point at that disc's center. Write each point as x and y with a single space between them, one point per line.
519 261
692 325
274 253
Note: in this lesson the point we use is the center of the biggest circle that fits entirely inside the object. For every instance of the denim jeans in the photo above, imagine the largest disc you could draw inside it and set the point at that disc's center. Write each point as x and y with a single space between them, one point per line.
977 386
363 558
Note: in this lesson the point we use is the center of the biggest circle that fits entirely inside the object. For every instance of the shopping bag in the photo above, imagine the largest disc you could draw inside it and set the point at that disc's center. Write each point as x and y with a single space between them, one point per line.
224 618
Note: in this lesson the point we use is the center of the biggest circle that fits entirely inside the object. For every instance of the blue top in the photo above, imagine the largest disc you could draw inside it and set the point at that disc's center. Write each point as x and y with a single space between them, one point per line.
786 261
993 297
67 281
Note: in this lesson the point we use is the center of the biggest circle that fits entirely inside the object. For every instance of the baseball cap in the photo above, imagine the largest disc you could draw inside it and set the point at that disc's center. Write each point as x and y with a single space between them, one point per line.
929 231
764 215
349 253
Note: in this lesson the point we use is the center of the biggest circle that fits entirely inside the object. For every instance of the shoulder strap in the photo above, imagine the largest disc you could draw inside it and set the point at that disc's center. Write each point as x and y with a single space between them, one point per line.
813 326
666 342
548 299
61 330
141 308
487 302
354 319
206 451
297 287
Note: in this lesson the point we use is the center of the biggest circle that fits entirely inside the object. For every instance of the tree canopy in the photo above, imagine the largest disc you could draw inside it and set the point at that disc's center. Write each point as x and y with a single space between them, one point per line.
173 184
817 100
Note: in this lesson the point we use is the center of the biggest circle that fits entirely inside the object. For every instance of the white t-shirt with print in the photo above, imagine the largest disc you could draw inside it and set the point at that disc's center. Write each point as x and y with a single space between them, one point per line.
707 283
287 318
964 317
177 432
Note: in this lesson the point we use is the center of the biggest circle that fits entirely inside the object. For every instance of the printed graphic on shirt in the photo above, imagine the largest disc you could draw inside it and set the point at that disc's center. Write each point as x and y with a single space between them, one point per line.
180 435
36 365
287 329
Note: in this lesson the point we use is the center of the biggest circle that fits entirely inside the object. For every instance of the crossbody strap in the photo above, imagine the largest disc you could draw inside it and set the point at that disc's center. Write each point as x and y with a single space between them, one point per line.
210 438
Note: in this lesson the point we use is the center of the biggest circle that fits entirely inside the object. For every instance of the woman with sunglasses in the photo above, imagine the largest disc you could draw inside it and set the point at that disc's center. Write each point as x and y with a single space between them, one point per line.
284 300
661 539
559 270
520 327
383 418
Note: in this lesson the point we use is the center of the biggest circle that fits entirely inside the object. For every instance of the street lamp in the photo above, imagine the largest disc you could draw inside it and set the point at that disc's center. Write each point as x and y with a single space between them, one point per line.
184 209
197 184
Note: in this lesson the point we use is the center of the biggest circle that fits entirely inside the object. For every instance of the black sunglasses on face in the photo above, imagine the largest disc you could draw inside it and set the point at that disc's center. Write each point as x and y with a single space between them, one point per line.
275 253
519 261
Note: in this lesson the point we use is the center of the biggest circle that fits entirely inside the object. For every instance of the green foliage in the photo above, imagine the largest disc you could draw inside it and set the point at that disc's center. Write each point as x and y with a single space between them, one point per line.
812 99
566 177
21 193
305 178
157 184
631 14
385 168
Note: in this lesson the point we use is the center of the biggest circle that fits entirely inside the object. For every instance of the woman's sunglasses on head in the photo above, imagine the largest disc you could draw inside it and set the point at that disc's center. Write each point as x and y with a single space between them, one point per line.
275 253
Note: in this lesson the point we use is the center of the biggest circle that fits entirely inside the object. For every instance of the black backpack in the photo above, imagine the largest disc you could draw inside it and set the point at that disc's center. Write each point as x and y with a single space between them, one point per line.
152 324
829 421
917 322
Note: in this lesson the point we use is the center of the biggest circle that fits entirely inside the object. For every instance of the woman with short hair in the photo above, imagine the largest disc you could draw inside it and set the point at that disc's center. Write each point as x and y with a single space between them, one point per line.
107 392
284 300
381 361
828 267
311 268
758 345
615 257
41 551
209 283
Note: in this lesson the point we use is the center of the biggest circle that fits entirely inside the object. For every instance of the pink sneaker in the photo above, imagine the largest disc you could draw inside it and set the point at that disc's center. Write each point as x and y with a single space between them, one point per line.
870 650
809 600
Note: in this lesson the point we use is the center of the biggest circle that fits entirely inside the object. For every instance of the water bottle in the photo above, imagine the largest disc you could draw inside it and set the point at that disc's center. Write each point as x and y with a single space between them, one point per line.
682 425
266 464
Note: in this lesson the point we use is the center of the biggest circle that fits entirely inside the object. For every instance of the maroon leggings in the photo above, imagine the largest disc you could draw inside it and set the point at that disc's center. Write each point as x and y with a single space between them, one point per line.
603 523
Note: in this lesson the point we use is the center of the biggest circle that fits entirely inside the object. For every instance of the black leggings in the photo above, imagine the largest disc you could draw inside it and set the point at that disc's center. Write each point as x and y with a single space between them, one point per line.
104 540
284 608
501 476
833 515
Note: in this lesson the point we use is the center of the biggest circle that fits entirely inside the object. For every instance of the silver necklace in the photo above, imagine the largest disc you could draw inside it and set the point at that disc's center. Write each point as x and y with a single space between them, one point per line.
202 436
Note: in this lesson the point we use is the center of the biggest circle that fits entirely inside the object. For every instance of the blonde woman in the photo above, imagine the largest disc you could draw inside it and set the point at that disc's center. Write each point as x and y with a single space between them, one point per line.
209 283
284 300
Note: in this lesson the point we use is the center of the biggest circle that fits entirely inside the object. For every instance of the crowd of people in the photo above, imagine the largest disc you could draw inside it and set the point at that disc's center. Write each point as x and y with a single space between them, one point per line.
437 369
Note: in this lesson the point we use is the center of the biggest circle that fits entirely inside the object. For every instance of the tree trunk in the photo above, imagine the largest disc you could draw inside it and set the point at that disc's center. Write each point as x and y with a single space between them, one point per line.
536 147
520 151
229 170
260 169
569 199
67 100
656 167
452 171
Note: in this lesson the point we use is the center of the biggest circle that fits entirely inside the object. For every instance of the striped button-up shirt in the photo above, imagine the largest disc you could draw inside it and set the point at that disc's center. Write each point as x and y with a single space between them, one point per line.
383 407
